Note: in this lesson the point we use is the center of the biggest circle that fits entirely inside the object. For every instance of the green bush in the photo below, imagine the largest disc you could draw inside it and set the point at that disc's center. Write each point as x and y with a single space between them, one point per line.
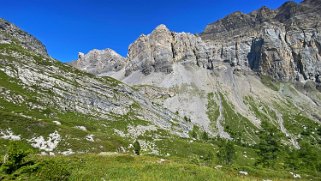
205 136
53 170
14 159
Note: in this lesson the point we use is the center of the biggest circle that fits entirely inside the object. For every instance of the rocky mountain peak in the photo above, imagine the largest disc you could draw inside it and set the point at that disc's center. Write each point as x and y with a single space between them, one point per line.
99 61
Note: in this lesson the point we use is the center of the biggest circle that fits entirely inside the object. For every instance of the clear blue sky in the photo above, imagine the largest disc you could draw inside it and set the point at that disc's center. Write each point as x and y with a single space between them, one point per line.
69 26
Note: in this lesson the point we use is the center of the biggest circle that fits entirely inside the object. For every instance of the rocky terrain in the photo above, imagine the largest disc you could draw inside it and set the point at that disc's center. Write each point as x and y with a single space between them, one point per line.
52 104
12 34
100 61
170 86
283 44
265 58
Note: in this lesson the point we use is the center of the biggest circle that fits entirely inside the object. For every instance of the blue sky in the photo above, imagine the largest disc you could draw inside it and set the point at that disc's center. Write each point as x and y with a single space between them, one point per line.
67 27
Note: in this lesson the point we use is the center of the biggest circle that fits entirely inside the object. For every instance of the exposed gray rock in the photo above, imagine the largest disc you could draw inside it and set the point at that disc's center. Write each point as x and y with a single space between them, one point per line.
9 33
99 61
158 51
282 43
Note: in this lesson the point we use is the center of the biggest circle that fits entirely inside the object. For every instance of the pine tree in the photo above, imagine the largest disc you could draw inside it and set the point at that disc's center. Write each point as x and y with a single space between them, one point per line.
205 136
137 147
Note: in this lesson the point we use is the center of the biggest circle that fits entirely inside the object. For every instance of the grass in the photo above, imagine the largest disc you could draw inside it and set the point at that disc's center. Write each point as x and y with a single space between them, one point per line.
186 159
213 111
129 167
237 125
269 82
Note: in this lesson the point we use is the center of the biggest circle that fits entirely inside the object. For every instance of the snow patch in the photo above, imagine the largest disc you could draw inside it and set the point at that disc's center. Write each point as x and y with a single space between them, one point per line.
295 175
243 172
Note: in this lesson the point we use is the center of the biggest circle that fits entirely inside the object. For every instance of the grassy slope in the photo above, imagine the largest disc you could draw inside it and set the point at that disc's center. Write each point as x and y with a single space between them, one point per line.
129 167
185 159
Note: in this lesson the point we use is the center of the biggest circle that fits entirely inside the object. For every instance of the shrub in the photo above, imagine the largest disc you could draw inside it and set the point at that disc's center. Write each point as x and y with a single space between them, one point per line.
226 154
205 136
54 170
269 146
14 159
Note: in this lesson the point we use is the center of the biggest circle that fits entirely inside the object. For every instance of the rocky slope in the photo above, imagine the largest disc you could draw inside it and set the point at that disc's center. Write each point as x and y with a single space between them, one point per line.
12 34
212 79
58 109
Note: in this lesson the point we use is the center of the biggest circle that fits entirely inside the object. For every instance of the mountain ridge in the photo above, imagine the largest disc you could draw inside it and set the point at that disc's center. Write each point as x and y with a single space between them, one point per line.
260 40
180 70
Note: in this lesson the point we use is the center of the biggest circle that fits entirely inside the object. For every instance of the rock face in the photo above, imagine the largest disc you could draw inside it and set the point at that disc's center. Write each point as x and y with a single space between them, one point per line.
282 43
9 33
158 51
99 61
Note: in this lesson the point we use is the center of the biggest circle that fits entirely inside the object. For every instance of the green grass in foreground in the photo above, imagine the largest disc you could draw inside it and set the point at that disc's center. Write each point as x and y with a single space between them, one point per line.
129 167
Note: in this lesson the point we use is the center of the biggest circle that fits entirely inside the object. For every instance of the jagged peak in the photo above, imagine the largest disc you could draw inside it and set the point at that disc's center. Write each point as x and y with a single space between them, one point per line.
161 28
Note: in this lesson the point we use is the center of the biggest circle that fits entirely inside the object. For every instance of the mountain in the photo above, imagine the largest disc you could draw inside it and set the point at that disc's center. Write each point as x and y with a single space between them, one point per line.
54 107
242 96
243 70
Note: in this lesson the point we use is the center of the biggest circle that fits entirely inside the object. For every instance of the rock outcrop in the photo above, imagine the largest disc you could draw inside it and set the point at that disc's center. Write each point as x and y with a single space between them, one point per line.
10 33
158 51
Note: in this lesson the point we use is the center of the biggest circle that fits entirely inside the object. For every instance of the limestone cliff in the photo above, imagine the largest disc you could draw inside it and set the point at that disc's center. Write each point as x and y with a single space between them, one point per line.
282 43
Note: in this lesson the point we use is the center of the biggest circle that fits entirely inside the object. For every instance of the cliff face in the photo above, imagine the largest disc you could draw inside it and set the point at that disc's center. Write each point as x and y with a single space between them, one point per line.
282 43
158 51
